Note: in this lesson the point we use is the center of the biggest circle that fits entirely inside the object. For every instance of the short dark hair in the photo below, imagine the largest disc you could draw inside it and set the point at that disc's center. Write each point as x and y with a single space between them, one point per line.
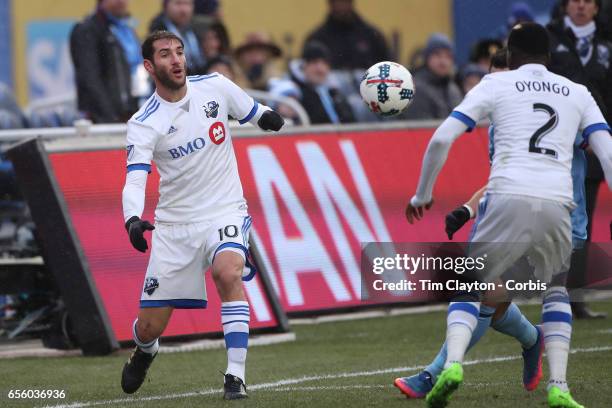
485 49
499 60
564 4
219 59
315 50
147 45
529 39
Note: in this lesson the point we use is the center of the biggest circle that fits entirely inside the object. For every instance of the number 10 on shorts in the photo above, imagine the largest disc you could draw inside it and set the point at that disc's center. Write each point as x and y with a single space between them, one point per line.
230 231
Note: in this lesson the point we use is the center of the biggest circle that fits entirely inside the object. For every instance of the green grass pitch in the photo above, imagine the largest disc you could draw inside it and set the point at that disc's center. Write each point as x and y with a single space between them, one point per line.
337 364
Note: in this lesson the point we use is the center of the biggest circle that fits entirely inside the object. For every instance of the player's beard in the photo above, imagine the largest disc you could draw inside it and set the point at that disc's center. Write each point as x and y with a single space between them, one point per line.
164 78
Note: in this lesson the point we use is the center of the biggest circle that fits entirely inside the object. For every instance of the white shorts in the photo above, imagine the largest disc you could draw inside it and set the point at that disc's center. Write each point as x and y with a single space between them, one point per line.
510 226
181 253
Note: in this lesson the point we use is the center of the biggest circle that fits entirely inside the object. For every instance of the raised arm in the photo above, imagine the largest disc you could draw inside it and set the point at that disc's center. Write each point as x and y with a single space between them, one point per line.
601 143
476 105
435 157
244 108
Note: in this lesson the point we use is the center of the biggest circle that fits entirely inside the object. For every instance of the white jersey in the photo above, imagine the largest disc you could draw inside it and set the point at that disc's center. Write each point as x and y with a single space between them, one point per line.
191 145
536 115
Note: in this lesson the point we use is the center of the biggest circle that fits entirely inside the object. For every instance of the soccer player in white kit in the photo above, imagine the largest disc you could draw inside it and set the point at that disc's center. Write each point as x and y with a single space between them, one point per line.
201 218
529 194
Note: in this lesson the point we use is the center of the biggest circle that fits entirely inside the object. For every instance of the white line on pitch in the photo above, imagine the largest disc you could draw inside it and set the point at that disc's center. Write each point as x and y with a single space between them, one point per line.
605 331
367 314
330 388
299 380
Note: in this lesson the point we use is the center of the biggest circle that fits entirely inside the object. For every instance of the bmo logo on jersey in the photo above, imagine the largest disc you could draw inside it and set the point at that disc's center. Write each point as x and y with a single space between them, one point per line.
181 151
217 133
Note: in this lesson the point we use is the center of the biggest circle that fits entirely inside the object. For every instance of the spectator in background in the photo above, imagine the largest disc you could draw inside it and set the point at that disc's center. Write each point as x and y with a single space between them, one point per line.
176 17
205 14
605 18
309 83
581 53
209 8
214 40
499 61
415 60
255 57
436 92
520 11
223 65
352 42
483 50
11 116
470 76
107 64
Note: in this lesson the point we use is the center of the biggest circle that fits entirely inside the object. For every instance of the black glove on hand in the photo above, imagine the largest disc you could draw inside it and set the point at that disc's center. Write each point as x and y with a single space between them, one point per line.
270 120
456 219
136 228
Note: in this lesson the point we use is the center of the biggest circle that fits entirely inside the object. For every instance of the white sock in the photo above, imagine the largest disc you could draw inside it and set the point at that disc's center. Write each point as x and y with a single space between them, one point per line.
151 347
235 317
557 328
557 352
461 321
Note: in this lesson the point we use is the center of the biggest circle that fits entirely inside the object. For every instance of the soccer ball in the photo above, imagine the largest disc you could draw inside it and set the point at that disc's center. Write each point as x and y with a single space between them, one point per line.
387 88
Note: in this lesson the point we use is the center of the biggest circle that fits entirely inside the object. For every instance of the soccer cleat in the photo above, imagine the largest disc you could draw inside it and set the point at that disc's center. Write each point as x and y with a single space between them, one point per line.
560 399
234 388
448 381
532 362
415 386
135 370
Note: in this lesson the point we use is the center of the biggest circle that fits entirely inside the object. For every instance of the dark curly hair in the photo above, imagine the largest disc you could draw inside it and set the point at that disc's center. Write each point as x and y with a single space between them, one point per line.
147 46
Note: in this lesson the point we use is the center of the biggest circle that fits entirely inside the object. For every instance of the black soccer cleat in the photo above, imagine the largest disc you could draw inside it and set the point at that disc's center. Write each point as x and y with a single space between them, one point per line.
135 370
234 388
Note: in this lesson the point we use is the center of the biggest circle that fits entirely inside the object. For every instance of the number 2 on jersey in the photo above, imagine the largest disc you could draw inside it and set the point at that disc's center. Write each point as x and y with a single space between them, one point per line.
543 130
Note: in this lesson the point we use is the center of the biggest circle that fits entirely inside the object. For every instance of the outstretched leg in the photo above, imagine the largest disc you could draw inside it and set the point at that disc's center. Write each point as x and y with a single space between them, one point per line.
418 385
146 331
512 322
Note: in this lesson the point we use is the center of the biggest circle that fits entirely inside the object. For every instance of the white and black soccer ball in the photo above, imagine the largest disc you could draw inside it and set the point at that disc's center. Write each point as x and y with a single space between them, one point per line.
387 88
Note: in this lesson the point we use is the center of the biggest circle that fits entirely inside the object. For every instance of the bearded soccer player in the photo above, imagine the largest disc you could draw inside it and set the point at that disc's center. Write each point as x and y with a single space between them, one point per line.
526 210
201 218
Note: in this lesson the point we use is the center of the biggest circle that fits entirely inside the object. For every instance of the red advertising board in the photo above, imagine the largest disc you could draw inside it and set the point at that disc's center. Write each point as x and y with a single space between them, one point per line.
314 199
92 183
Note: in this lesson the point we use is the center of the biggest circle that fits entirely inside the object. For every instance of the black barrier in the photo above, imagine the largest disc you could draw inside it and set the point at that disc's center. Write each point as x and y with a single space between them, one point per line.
264 273
61 249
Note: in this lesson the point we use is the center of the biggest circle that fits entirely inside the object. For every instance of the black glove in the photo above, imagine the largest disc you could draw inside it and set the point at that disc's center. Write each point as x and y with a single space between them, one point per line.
136 228
456 219
270 120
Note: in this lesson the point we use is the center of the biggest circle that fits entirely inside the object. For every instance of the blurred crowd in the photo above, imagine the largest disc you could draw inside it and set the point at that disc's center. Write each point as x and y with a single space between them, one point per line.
111 82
